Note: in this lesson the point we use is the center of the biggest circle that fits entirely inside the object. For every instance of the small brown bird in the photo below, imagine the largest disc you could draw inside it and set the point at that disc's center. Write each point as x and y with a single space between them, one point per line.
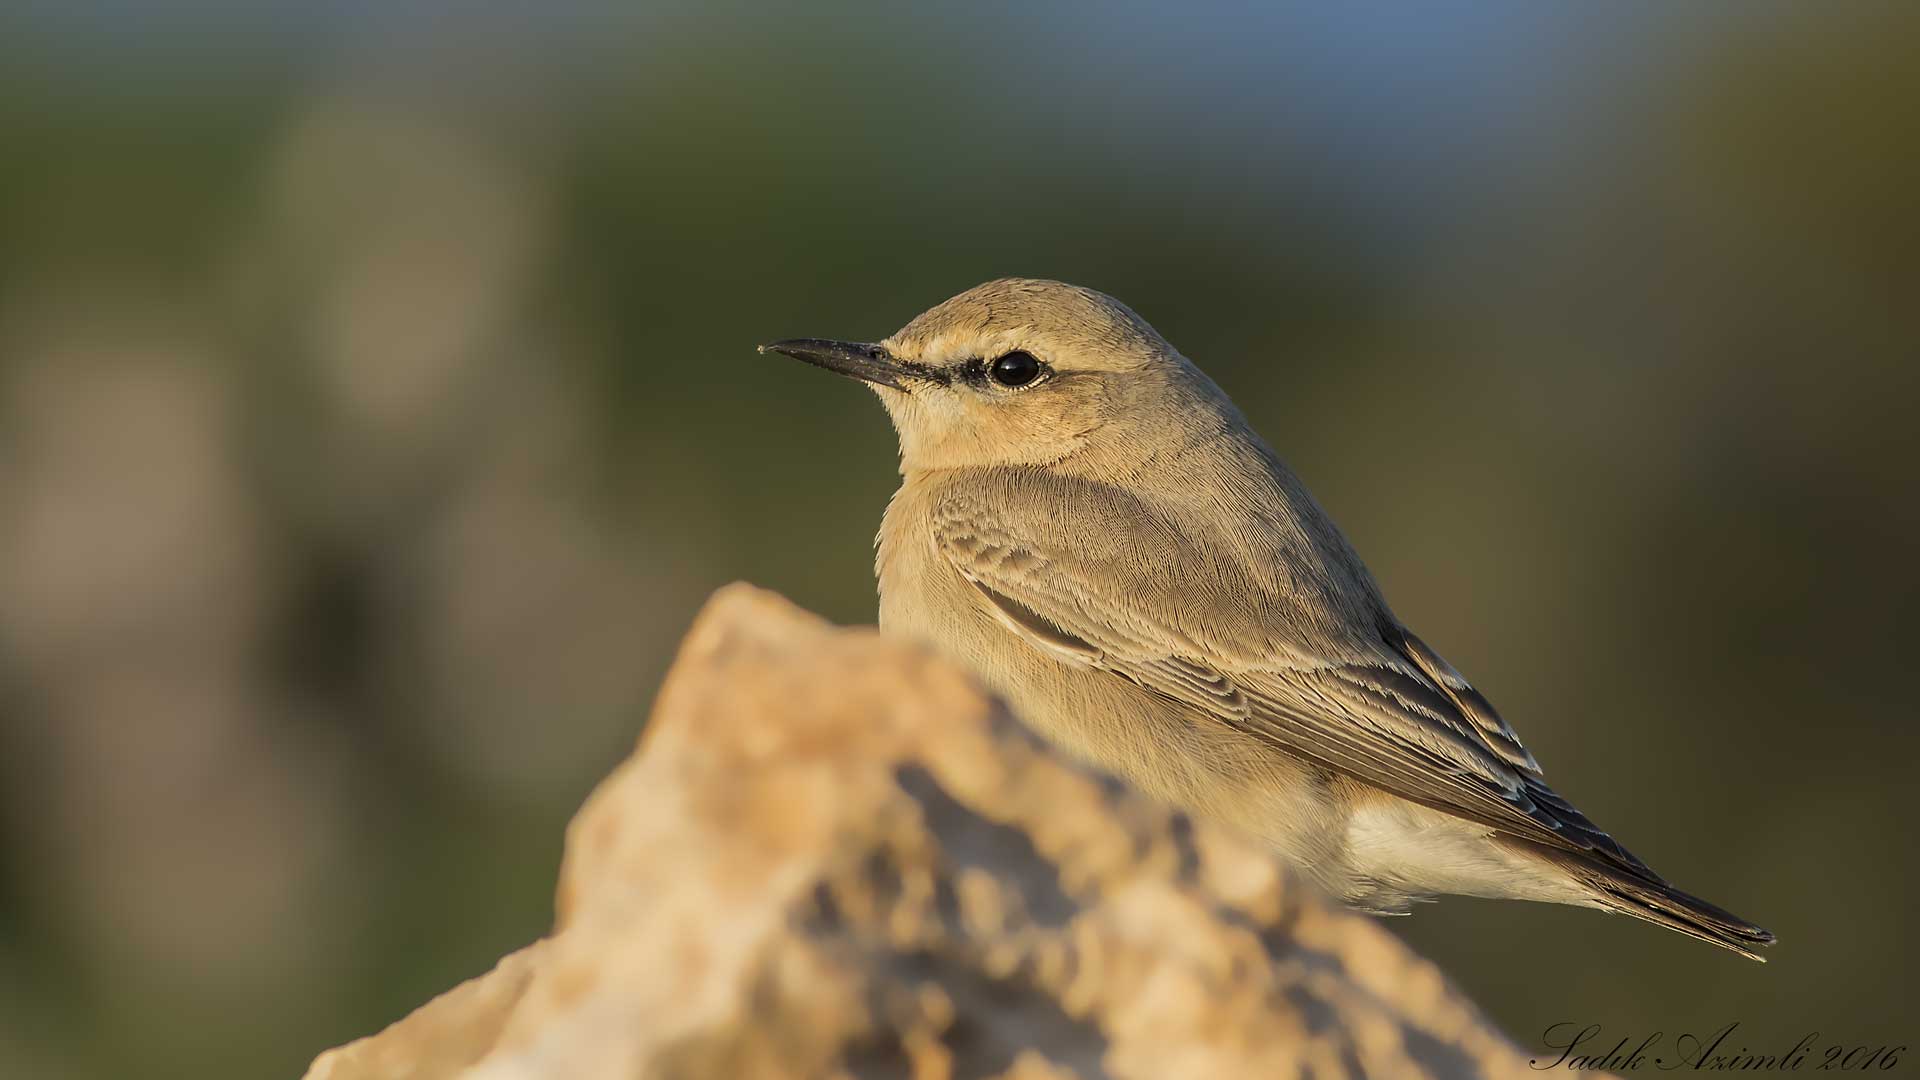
1089 523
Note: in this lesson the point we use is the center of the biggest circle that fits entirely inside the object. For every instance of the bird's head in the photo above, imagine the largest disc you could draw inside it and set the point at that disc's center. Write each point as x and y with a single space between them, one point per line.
1022 372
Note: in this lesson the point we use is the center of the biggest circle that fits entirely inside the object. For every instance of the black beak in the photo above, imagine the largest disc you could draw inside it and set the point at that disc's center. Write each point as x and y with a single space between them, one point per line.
868 363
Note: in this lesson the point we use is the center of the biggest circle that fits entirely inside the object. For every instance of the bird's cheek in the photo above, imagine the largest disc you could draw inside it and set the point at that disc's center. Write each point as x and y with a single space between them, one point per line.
926 423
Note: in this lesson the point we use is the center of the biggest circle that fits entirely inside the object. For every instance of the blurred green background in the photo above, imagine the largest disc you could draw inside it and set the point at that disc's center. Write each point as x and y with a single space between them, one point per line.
378 402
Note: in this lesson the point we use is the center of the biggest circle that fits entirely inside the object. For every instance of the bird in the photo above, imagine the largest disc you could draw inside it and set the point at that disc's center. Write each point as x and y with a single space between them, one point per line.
1089 524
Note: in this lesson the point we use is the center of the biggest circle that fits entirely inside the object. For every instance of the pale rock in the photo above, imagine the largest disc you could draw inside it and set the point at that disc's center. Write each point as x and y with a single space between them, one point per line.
834 856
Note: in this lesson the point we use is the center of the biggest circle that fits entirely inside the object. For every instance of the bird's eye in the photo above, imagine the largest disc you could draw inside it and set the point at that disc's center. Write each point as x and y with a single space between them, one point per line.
1015 369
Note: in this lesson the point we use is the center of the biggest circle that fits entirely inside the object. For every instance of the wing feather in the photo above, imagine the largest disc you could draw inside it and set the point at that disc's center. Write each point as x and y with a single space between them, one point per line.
1392 714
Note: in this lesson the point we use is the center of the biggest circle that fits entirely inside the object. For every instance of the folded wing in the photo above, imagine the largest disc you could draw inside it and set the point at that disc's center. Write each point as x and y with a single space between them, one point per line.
1391 713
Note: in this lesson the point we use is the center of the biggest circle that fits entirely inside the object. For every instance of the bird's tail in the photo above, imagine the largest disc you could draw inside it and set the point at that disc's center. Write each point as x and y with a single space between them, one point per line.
1659 902
1636 891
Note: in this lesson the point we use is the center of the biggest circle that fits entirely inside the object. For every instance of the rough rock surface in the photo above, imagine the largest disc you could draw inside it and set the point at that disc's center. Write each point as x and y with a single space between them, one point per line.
833 856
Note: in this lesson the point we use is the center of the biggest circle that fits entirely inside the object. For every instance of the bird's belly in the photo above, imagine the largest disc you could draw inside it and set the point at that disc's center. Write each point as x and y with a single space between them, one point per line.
1401 851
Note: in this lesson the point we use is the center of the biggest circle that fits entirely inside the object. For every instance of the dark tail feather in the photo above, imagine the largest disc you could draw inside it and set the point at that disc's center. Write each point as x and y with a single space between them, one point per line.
1645 896
1658 902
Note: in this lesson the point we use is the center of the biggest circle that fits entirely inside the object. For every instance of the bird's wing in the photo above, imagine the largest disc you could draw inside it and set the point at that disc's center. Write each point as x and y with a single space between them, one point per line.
1107 584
